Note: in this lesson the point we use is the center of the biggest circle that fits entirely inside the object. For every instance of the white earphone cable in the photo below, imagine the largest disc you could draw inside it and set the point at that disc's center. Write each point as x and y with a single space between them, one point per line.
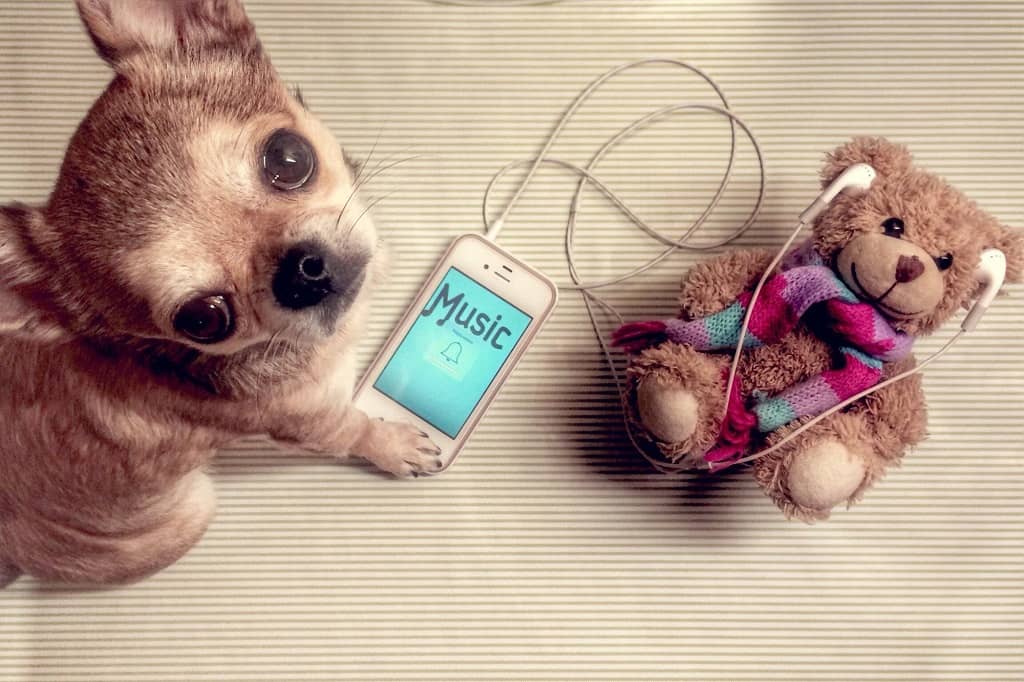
493 227
587 175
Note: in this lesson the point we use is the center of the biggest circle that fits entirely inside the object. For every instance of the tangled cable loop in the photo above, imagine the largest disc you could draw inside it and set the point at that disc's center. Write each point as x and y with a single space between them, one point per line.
587 177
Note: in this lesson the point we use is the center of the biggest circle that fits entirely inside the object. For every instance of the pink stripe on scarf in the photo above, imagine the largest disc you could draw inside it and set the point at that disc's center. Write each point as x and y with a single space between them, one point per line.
737 428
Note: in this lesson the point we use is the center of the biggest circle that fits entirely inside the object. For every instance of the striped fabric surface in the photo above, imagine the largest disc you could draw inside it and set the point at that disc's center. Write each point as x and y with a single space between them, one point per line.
550 551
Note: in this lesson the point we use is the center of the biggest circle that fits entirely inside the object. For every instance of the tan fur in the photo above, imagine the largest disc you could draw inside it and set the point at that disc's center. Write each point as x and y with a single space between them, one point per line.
110 415
877 430
713 285
674 365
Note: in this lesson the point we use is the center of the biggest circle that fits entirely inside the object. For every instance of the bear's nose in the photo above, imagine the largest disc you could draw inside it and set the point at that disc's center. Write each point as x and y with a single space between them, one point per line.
908 268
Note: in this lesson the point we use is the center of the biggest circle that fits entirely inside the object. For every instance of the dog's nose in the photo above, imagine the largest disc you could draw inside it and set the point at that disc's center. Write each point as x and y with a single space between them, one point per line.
304 278
908 268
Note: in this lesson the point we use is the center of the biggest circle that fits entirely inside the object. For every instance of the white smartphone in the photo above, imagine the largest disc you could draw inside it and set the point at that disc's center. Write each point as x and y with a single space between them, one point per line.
455 346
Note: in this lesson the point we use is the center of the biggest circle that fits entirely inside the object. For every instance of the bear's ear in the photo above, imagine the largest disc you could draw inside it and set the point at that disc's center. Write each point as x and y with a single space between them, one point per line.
887 158
1011 243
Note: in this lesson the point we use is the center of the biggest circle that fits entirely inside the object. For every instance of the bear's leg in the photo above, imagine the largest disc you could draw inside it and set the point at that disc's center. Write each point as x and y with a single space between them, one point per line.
831 463
825 474
838 459
668 409
674 400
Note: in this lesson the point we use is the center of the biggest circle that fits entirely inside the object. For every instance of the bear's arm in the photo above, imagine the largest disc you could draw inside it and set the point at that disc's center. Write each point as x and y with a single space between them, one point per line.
712 285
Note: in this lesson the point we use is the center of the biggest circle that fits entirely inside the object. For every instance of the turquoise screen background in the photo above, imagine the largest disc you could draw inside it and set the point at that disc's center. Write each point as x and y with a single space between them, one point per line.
448 357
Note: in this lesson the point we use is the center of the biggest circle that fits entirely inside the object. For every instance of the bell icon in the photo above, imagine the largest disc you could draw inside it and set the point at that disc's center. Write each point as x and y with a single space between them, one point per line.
452 353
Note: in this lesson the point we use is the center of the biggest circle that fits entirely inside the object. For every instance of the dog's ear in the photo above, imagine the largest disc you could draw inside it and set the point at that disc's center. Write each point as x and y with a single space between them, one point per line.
25 311
120 27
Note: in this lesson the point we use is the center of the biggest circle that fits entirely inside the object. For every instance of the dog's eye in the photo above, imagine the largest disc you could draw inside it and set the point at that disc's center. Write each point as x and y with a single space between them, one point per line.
893 227
944 261
207 319
288 160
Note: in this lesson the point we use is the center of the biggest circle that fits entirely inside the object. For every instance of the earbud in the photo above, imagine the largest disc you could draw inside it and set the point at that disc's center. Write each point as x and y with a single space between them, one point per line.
854 180
991 272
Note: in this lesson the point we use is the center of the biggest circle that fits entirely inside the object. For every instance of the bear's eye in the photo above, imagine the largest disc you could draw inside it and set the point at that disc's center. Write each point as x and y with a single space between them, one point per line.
893 227
944 261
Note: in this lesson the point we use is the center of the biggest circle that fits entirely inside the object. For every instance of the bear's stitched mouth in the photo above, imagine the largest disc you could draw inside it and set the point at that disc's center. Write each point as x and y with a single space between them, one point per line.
877 300
864 289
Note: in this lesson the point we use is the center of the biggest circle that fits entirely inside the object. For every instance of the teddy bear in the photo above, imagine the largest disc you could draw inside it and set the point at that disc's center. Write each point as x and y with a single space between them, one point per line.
840 315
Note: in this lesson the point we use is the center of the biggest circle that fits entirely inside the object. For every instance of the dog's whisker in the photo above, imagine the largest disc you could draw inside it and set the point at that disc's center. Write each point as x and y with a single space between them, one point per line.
348 201
369 207
363 178
391 166
364 163
376 172
391 156
369 156
358 183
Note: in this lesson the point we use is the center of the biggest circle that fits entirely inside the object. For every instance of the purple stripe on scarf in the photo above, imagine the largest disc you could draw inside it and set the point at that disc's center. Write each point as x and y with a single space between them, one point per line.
812 284
898 345
813 396
692 332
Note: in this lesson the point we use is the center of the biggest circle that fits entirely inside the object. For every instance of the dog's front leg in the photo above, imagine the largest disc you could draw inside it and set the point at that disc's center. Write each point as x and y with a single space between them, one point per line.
397 448
320 417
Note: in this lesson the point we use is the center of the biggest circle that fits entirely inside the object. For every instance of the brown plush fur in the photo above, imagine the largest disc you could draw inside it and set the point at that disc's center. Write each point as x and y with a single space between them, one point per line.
109 413
672 364
874 433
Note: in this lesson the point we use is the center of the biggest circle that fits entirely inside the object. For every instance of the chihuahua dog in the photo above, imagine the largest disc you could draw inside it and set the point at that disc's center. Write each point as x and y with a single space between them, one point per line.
199 273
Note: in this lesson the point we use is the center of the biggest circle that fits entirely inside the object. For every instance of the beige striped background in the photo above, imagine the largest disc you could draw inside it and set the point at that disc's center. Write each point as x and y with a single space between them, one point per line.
548 552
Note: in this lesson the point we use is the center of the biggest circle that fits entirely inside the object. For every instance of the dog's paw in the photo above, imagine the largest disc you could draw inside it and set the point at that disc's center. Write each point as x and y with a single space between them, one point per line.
402 450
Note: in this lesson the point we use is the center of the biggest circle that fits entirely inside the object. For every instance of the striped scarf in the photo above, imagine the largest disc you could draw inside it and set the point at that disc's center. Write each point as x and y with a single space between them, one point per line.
862 337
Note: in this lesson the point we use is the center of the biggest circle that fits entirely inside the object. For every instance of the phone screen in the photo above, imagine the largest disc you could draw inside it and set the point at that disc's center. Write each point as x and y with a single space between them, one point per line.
452 352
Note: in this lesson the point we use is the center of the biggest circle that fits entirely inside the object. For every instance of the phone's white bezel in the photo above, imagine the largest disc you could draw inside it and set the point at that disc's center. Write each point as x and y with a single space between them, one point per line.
505 275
